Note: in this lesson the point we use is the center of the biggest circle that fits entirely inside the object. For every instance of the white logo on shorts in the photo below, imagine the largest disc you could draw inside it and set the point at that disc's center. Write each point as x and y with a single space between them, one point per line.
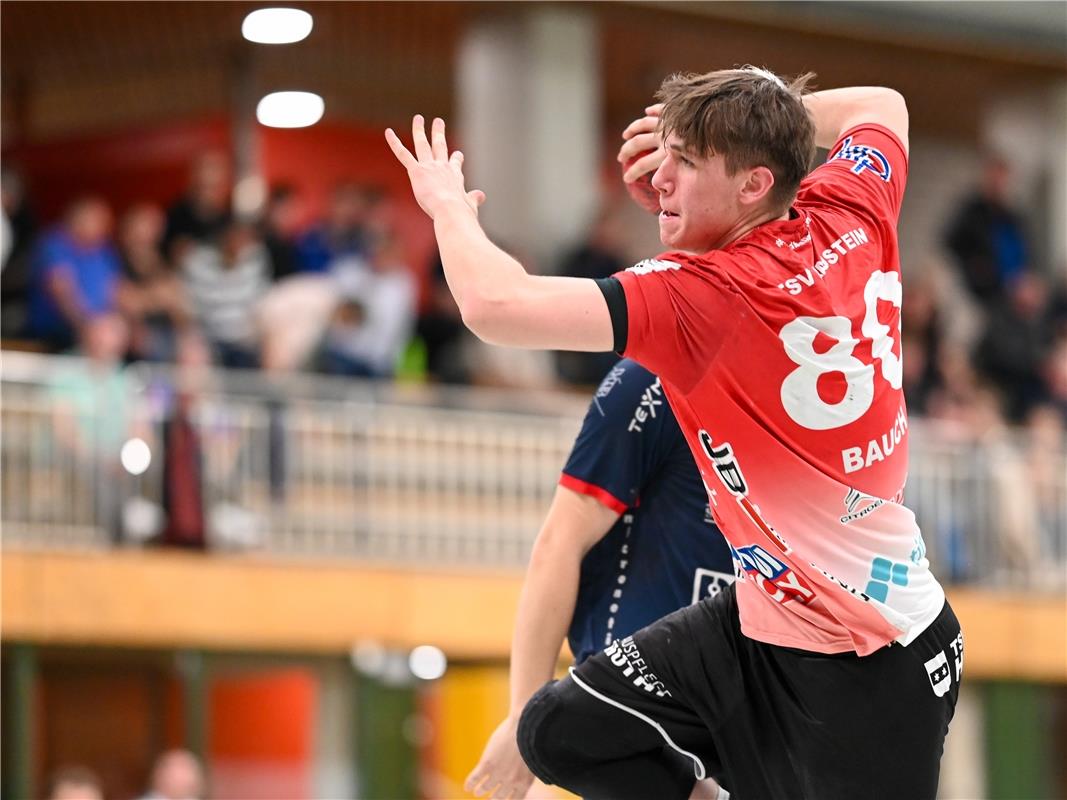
940 676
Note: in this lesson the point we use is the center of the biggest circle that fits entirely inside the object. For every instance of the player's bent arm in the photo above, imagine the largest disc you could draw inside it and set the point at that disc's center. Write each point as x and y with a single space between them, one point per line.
503 304
834 111
575 522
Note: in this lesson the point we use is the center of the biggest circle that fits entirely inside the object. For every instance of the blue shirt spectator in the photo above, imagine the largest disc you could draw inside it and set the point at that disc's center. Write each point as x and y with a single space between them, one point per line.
76 274
342 233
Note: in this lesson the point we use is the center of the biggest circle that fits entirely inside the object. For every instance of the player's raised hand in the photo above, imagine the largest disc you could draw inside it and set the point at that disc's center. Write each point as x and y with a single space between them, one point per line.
501 774
436 176
642 148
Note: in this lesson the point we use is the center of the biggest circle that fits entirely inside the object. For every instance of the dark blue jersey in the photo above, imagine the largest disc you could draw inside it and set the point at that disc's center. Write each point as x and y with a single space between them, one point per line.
664 552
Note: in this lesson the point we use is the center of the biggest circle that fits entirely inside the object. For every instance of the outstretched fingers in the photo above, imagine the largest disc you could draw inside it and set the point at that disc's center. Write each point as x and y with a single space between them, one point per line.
437 140
403 155
418 136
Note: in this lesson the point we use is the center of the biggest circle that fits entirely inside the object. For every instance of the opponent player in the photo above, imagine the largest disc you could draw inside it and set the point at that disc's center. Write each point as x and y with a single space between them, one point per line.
628 538
833 669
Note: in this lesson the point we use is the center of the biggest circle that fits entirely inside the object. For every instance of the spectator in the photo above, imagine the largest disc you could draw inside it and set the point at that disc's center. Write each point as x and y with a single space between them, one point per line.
1013 347
281 221
177 775
225 282
1055 374
203 213
344 231
95 416
441 330
75 275
74 783
20 227
153 295
987 237
376 316
599 256
921 344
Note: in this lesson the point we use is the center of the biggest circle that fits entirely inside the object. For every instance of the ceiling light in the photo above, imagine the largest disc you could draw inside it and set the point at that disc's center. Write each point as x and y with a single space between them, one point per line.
276 25
290 109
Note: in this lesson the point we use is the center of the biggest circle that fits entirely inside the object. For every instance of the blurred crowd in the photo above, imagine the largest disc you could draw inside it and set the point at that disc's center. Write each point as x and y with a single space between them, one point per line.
279 292
258 291
194 285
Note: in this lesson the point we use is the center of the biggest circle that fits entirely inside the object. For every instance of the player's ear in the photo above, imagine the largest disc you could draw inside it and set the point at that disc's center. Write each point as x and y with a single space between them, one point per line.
757 186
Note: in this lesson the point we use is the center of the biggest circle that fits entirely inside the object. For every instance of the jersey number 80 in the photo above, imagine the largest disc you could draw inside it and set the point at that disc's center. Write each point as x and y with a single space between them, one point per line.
800 392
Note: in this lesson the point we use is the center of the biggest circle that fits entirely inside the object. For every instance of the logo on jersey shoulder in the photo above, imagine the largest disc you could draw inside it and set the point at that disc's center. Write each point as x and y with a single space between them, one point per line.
859 505
707 583
651 400
865 158
653 265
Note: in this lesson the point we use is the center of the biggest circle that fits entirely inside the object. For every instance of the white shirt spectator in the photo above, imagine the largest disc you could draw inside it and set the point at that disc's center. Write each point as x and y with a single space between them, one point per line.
224 295
385 296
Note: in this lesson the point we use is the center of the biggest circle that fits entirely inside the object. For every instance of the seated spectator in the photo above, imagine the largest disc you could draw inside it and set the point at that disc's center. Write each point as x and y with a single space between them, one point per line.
203 213
153 296
95 416
75 275
20 228
1055 374
281 223
599 256
344 231
225 283
1013 347
177 775
74 783
921 344
987 237
441 330
376 316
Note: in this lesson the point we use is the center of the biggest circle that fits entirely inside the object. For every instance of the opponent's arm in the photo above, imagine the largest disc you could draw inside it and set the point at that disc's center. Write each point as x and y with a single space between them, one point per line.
834 111
499 301
575 522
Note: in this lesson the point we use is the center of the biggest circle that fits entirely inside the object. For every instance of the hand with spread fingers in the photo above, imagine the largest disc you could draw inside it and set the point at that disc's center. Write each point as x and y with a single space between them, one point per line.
643 142
436 176
501 773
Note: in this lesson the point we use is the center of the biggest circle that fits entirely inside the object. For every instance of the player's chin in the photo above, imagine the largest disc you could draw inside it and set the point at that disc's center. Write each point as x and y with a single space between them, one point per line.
670 230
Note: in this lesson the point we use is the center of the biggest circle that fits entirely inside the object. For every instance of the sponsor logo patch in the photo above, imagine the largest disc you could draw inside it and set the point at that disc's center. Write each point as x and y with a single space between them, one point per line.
865 158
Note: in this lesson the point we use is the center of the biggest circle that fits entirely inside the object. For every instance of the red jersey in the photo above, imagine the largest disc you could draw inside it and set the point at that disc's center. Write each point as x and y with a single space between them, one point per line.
780 355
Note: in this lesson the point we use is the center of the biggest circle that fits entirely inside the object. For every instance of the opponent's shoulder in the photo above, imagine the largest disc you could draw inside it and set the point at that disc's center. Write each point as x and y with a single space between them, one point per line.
623 386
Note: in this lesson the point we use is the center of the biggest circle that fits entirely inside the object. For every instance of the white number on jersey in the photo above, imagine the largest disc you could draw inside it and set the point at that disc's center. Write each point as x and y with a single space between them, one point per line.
800 389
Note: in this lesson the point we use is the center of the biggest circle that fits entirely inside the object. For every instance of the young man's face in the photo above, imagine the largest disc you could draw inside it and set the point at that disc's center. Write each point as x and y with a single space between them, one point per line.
699 200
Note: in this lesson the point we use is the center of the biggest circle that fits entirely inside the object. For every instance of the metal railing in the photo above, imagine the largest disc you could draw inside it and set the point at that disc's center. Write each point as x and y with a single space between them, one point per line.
318 467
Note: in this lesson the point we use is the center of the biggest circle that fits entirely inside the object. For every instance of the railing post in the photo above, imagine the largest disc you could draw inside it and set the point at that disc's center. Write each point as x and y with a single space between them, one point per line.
24 689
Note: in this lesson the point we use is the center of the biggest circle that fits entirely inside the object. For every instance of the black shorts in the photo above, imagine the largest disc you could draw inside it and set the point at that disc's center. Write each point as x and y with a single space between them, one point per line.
776 722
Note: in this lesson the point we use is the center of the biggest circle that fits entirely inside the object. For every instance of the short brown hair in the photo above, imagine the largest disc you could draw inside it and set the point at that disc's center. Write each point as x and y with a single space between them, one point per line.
749 116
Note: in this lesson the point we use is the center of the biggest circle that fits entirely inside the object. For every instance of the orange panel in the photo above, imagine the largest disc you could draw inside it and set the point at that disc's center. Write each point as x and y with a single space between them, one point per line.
261 734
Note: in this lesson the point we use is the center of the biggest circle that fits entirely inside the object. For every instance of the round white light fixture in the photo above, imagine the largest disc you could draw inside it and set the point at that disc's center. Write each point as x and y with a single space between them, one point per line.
290 109
277 25
135 456
427 662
